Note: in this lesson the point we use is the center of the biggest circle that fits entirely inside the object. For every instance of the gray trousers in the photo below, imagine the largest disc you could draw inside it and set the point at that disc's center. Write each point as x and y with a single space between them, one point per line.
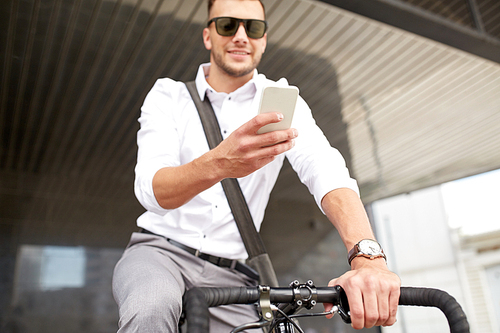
151 277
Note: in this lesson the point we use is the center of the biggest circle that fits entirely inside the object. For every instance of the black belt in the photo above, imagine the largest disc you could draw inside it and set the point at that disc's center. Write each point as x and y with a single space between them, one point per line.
221 262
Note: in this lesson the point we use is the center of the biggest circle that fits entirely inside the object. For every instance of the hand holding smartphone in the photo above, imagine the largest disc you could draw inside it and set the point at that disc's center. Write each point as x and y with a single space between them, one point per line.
278 99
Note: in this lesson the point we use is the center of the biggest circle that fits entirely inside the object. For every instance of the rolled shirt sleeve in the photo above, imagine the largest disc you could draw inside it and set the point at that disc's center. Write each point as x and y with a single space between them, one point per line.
157 141
319 166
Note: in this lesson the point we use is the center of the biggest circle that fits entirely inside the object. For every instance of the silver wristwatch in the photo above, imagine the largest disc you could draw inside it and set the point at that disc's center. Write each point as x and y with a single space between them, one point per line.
367 248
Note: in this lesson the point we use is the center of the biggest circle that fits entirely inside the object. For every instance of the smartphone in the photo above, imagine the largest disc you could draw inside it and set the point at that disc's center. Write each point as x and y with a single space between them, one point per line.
278 99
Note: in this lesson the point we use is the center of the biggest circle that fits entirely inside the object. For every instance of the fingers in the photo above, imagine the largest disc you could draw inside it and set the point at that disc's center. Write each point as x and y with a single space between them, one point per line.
277 142
245 151
393 306
373 300
273 137
329 306
274 142
268 145
357 306
372 307
263 119
255 124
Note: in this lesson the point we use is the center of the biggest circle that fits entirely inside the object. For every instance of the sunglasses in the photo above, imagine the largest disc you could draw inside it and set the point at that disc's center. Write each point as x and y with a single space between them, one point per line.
228 26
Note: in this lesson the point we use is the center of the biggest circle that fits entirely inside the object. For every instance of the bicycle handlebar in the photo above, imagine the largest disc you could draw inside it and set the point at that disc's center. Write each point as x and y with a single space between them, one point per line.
197 301
440 299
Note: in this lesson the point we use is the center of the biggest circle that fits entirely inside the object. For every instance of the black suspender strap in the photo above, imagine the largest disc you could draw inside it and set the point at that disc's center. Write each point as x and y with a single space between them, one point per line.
258 257
237 203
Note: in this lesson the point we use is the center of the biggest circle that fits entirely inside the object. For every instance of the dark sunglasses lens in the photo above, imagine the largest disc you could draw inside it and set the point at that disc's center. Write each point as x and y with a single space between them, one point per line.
255 28
226 26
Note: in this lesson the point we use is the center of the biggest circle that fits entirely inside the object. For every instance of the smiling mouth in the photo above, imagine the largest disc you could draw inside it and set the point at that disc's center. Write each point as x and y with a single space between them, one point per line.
239 52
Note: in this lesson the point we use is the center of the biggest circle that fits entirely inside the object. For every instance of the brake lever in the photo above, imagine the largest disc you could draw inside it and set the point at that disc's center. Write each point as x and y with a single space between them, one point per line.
340 310
343 307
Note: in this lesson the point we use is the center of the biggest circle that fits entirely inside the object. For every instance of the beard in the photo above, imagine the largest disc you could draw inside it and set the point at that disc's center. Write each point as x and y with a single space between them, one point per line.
235 71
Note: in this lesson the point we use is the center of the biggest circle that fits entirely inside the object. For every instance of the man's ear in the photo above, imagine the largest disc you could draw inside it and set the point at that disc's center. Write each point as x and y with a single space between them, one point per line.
206 39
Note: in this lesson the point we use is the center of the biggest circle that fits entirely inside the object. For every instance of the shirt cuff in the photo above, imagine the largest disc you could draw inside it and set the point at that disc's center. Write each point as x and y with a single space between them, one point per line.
323 188
143 188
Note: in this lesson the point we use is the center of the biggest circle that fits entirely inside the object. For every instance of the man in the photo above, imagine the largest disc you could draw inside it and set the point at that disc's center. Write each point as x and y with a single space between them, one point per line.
177 181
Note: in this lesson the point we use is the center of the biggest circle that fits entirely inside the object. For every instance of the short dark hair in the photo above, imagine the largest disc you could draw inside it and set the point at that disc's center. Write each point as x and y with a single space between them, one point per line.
211 3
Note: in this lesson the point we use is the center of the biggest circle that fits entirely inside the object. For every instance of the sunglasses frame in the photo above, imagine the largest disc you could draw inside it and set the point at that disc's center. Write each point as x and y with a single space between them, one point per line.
245 22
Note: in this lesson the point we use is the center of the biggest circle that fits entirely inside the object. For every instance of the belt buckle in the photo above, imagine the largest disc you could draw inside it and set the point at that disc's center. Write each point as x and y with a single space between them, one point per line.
197 253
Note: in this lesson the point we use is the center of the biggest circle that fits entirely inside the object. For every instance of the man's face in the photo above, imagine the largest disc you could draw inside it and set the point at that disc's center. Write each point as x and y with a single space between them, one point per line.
236 55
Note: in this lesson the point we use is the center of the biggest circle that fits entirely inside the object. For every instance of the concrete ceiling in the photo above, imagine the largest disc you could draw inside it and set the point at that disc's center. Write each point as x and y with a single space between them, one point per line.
406 110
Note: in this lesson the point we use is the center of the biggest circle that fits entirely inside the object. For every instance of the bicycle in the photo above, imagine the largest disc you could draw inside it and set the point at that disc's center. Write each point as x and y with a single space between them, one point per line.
279 306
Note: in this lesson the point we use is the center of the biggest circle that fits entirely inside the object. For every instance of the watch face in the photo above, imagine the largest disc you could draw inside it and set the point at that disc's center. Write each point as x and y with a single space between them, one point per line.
369 247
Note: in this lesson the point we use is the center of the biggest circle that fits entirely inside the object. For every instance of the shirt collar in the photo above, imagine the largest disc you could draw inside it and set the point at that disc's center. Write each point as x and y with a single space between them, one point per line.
202 85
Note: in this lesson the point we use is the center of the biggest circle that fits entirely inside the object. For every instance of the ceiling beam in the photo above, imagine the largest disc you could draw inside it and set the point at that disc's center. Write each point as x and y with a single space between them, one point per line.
426 24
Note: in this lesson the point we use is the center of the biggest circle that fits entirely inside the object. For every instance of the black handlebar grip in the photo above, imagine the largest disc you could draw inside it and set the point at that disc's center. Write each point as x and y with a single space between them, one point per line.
198 300
437 298
197 315
421 297
231 295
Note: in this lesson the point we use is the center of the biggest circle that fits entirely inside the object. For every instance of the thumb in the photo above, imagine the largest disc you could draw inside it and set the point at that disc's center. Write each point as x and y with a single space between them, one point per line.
329 306
333 282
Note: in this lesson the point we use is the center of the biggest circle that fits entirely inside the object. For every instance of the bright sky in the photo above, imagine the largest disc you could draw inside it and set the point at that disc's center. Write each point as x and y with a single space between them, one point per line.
473 203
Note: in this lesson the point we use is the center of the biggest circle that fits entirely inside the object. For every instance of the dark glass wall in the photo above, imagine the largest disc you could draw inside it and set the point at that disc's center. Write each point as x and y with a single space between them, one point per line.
73 77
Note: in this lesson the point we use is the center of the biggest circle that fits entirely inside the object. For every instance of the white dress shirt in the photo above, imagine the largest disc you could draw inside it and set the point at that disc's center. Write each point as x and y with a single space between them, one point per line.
171 134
